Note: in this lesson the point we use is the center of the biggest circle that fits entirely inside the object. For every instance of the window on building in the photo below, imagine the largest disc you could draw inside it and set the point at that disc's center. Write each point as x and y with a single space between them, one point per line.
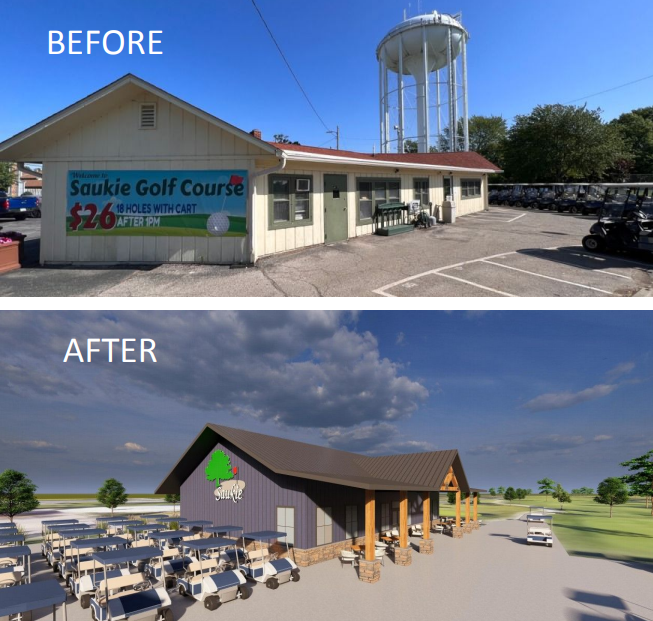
291 199
385 516
421 191
447 183
372 193
286 522
351 521
395 514
324 526
470 188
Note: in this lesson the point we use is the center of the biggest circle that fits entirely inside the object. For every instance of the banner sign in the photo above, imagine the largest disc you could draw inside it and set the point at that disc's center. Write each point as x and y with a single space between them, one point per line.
180 203
220 470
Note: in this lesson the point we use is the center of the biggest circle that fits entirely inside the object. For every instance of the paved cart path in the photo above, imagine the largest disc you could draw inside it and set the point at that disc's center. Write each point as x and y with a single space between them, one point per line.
490 575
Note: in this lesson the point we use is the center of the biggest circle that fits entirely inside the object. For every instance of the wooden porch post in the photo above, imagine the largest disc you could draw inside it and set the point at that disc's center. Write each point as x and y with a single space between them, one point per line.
458 509
467 507
426 510
370 523
476 506
403 519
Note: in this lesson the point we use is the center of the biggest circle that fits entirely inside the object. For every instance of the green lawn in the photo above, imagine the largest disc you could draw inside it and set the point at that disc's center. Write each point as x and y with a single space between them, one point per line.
584 527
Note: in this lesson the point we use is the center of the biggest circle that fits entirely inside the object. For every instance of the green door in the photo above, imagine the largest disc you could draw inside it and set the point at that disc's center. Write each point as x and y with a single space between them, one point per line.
335 208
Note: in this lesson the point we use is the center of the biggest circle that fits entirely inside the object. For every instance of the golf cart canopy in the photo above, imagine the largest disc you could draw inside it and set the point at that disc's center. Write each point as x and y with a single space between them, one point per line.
12 539
128 523
69 527
153 516
7 530
192 523
264 535
171 519
113 521
137 528
209 543
224 529
26 597
99 542
83 532
127 555
167 535
58 522
11 551
532 517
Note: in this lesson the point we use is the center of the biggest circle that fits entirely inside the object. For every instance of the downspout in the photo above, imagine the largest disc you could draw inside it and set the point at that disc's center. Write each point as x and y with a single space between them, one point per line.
261 173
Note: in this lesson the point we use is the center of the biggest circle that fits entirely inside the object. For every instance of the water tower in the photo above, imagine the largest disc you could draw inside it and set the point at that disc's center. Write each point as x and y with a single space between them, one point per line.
423 83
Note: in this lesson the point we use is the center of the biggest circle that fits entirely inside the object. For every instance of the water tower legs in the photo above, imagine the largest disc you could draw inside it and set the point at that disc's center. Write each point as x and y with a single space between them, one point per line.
465 98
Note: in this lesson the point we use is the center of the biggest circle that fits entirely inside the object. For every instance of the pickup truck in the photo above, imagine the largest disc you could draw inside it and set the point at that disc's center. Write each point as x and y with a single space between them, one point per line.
19 207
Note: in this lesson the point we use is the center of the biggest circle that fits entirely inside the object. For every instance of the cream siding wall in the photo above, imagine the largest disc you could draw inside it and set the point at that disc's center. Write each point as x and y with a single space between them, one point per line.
270 242
181 141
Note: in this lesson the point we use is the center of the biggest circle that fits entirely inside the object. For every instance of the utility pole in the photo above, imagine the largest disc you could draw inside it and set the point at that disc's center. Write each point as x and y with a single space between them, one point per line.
336 133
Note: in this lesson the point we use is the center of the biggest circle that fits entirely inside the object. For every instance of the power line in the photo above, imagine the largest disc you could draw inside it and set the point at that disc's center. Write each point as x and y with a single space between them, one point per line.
609 90
301 88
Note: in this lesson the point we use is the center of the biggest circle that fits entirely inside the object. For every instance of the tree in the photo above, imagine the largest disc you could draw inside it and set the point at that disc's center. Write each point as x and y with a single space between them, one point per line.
112 494
492 491
7 176
521 493
561 495
510 494
636 130
410 146
451 498
583 491
283 139
641 479
487 136
174 500
501 490
611 491
561 143
547 486
17 494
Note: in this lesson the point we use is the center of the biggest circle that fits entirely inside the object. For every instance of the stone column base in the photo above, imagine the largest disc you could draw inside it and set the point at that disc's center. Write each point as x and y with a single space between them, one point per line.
467 528
369 571
476 525
457 532
403 556
426 546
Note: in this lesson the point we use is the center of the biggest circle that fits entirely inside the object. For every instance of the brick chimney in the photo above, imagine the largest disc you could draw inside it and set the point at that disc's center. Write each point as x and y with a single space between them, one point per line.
256 133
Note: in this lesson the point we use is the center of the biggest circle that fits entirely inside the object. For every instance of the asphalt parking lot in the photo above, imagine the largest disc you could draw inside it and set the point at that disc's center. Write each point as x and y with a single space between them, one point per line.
491 574
502 252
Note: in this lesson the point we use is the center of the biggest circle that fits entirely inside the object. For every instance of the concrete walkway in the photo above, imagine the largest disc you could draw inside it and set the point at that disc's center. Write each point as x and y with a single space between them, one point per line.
490 575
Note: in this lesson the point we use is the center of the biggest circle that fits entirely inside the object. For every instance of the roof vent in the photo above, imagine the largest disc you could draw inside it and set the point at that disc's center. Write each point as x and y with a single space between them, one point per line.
148 116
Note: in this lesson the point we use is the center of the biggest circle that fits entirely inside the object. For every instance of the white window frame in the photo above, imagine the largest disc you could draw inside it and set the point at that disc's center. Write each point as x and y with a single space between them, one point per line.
324 526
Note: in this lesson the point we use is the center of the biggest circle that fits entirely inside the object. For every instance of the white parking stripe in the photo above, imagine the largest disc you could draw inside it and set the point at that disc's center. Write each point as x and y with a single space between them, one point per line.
517 218
475 284
566 282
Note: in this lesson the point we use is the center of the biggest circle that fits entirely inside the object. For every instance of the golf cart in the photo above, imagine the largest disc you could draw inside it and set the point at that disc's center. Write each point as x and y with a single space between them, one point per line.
67 551
264 566
516 195
205 581
130 595
18 603
536 514
594 198
538 529
230 557
45 526
13 560
548 195
196 526
503 195
12 539
121 528
83 579
57 542
625 222
141 532
170 562
571 199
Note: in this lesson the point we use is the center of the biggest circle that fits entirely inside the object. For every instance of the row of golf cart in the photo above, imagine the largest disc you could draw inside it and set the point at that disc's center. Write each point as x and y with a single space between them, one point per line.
576 198
122 568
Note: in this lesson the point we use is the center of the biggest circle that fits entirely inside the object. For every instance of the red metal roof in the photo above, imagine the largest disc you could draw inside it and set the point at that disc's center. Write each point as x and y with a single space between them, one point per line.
467 159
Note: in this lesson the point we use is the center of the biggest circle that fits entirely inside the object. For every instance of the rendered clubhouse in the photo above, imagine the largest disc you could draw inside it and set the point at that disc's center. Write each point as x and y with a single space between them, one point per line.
133 174
329 502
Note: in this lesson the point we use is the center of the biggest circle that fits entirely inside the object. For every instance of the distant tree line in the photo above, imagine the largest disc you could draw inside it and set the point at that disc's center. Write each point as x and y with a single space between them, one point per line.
557 143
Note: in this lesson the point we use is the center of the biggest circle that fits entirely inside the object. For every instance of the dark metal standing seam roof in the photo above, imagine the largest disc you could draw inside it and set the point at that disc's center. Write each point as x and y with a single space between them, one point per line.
421 472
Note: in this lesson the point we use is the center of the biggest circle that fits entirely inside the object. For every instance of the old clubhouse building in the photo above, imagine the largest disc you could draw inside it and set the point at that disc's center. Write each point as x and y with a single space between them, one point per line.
133 134
326 500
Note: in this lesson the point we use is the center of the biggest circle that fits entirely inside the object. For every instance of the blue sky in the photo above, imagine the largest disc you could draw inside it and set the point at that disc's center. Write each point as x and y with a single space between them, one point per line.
521 395
218 56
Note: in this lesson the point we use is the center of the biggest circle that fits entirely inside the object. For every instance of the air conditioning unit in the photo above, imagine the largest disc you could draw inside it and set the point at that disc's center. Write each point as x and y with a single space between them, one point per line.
303 185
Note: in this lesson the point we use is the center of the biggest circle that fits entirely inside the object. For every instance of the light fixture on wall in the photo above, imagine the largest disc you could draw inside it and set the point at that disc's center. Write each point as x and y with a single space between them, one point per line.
396 170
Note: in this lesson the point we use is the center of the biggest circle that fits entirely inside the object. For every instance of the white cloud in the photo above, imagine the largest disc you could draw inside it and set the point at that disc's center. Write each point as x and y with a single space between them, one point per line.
602 438
621 369
132 447
567 399
376 439
400 338
36 445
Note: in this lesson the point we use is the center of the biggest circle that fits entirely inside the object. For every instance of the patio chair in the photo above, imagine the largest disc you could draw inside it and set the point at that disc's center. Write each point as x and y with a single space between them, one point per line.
416 530
439 528
347 556
379 554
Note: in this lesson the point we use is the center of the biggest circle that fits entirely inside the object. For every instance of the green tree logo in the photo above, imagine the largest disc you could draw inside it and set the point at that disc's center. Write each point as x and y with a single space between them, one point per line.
219 468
